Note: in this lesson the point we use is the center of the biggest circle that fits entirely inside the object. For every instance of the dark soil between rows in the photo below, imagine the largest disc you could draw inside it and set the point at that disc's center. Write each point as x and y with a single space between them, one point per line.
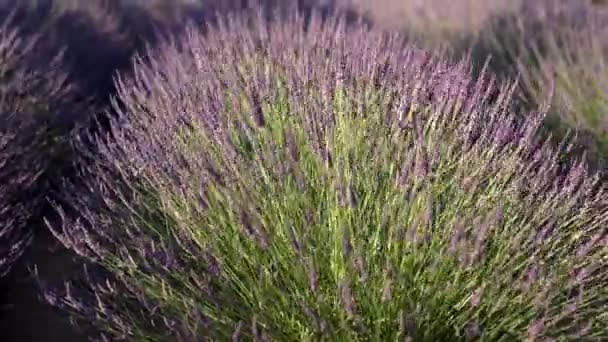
24 316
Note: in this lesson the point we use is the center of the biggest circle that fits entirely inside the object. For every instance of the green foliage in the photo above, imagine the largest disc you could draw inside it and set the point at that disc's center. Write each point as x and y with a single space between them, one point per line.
369 211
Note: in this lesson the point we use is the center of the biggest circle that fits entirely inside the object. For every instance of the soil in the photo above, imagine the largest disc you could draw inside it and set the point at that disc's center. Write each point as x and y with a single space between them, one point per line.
24 317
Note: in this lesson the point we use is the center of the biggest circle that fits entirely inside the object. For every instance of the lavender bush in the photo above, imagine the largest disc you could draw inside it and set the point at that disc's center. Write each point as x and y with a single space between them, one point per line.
30 94
575 62
436 23
557 49
306 180
543 41
101 36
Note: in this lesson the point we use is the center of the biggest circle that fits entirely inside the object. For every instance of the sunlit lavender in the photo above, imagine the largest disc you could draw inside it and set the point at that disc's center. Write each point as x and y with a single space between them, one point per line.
310 180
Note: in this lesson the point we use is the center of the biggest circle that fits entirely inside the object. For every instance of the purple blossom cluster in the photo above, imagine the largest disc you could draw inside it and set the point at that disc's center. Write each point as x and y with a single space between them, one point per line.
293 178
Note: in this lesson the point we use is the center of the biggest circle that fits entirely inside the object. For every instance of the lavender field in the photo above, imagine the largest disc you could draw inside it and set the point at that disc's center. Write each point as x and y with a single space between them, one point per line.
303 170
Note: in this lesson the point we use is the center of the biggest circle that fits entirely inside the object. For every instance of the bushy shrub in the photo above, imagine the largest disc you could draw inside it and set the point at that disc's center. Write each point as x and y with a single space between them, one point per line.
33 88
575 63
512 36
544 42
89 35
101 36
435 23
307 180
557 50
